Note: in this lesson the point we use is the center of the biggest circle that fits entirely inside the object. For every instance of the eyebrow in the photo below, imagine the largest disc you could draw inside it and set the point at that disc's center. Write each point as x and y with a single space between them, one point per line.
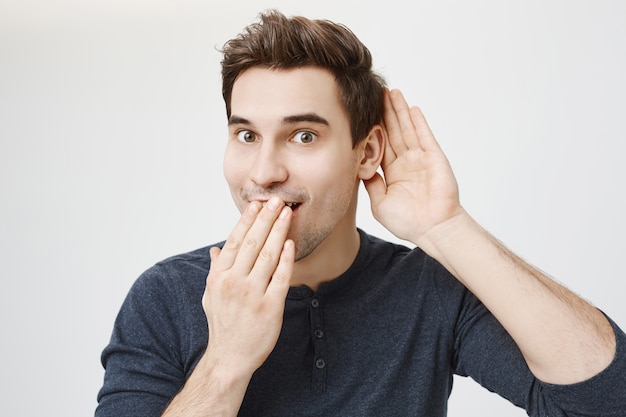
305 117
236 120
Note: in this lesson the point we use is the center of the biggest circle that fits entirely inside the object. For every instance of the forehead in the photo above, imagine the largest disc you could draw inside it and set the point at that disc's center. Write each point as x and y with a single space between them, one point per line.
269 93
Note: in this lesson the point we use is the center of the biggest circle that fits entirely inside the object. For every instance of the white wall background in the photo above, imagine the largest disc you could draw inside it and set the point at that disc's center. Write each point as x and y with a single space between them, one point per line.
112 130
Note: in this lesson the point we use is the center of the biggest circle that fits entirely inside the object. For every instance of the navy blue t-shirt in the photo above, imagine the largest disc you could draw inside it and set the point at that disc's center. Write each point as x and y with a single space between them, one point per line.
383 339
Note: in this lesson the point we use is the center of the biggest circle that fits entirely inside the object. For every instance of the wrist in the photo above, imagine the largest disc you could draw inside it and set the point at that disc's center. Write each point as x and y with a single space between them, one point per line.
227 372
455 243
213 389
445 236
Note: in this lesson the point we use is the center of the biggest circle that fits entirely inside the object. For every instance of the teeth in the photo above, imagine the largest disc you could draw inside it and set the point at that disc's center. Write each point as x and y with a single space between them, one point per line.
292 205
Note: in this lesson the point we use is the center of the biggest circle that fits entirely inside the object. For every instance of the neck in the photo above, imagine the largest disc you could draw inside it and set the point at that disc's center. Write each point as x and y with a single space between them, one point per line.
332 257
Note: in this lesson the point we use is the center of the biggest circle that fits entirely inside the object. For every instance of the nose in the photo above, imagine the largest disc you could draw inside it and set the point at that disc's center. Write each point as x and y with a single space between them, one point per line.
268 167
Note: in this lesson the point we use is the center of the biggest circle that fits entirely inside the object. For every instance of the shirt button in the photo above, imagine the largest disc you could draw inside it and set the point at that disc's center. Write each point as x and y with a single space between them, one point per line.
315 303
318 333
320 363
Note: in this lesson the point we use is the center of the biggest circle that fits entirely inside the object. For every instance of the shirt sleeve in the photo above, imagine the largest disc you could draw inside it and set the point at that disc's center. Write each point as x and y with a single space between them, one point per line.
142 360
601 395
487 353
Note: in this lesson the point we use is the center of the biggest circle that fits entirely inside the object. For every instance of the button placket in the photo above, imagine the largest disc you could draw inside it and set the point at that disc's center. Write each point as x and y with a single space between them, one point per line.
318 340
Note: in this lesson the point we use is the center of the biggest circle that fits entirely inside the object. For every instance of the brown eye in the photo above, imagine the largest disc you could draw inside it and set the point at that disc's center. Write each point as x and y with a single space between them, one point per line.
305 137
246 136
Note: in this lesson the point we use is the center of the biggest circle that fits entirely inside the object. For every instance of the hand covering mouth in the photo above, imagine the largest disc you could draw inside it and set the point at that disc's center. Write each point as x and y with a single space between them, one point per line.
293 198
290 204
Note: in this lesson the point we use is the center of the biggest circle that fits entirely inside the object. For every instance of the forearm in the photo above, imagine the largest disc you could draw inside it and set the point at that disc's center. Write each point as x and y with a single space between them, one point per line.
563 338
212 390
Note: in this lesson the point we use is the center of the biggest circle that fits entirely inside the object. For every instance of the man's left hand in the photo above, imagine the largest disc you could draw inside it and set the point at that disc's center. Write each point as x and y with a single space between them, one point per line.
418 190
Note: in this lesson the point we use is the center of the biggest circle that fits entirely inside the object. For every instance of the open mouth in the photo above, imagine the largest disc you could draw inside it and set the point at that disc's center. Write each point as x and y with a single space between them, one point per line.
293 206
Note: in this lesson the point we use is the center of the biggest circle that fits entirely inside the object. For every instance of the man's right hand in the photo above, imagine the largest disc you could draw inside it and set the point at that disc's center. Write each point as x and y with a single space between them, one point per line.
244 303
247 285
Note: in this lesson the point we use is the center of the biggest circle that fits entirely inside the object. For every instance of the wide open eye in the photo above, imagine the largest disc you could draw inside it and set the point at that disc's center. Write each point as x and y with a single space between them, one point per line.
246 136
304 136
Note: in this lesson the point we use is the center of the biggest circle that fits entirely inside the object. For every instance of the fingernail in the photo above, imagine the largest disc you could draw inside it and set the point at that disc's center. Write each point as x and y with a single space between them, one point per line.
253 208
273 203
284 213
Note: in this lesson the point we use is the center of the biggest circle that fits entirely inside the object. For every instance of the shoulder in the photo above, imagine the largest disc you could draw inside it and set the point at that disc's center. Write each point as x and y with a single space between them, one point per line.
413 269
396 258
184 271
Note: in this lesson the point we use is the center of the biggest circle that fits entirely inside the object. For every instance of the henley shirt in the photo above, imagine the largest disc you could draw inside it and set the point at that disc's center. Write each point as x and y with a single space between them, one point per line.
383 339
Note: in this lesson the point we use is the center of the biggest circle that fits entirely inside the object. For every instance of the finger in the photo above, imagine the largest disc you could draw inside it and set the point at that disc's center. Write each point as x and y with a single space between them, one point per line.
392 124
426 137
235 240
388 154
269 257
256 237
407 129
279 285
214 253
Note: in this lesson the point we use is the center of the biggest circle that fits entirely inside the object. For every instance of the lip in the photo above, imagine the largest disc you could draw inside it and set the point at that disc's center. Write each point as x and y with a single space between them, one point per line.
294 199
293 205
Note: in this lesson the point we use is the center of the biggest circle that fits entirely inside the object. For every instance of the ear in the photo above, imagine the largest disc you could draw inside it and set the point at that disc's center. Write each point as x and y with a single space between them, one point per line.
371 151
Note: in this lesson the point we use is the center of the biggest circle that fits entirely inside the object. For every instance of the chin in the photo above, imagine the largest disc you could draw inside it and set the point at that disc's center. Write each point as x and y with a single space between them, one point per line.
307 243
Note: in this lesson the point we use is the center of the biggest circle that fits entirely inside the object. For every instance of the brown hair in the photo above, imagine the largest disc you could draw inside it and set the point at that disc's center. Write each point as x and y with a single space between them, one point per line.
279 42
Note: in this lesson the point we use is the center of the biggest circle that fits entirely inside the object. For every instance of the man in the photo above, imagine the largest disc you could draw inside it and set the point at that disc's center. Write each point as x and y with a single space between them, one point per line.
299 312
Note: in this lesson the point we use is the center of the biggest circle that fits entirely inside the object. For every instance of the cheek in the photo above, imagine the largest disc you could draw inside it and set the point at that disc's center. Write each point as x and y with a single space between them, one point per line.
341 166
231 169
234 176
334 178
230 174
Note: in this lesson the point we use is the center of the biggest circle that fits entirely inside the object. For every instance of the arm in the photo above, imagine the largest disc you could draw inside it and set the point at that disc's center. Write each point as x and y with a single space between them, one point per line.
562 338
244 303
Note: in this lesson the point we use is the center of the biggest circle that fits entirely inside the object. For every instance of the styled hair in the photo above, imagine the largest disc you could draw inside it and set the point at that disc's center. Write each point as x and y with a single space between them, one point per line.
279 42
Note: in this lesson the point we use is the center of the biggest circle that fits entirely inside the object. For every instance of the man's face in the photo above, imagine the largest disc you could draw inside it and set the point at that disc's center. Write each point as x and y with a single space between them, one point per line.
289 136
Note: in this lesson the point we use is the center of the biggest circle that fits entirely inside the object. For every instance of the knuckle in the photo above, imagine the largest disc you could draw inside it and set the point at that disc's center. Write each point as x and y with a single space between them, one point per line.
213 283
266 254
220 282
228 285
279 277
250 243
232 244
